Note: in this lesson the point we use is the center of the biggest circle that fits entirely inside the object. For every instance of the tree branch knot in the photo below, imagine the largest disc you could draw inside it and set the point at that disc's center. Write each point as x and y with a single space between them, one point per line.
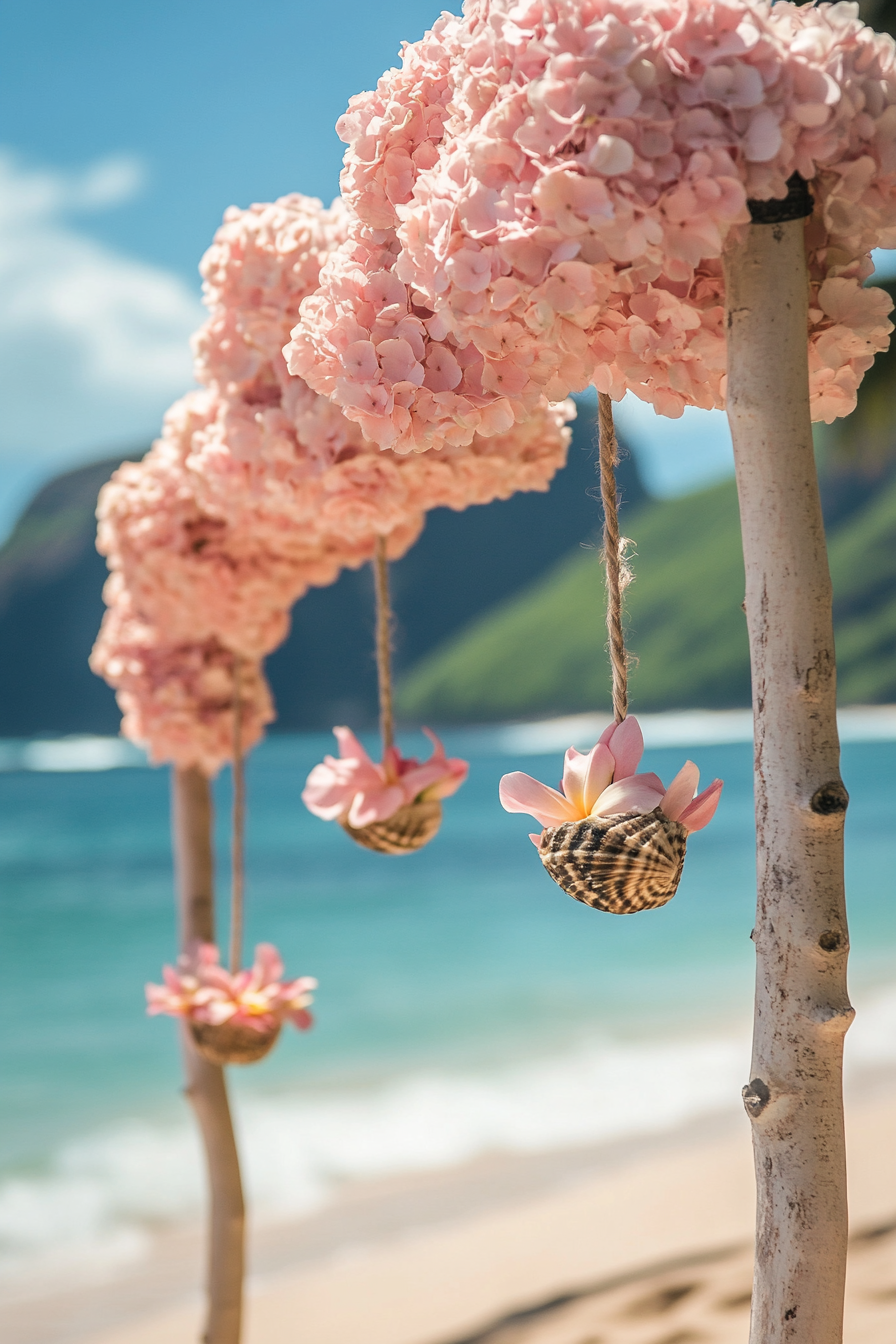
756 1097
830 799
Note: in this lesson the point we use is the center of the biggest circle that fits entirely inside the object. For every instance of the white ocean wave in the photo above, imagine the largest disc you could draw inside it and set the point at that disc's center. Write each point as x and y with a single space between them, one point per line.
104 1196
677 728
672 728
70 755
99 1203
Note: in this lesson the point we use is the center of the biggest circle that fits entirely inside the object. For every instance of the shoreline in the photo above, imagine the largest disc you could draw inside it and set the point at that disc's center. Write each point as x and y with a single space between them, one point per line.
77 753
497 1251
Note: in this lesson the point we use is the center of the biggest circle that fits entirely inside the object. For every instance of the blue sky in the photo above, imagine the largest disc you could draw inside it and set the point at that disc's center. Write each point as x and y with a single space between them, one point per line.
125 131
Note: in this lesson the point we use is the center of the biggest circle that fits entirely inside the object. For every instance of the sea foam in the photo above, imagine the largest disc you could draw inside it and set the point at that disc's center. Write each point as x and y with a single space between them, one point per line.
104 1196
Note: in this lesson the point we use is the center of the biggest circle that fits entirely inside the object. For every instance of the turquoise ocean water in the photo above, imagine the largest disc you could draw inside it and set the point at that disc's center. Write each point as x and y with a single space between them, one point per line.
465 1004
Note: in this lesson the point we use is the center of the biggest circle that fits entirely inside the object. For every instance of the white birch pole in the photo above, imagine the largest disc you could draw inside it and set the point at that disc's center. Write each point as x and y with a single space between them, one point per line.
802 1010
206 1087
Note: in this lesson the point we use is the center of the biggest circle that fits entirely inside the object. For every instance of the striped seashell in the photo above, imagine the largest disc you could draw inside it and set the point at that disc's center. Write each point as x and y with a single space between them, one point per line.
619 864
222 1043
410 828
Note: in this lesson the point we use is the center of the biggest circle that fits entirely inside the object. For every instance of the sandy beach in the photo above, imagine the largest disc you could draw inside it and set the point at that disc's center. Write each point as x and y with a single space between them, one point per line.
628 1244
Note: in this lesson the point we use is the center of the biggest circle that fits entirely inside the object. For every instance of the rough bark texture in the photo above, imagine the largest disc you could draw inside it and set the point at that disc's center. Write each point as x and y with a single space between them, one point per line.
794 1098
206 1087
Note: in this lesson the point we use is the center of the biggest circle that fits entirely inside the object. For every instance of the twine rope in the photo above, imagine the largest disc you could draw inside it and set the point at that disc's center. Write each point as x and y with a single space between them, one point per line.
237 825
383 643
618 573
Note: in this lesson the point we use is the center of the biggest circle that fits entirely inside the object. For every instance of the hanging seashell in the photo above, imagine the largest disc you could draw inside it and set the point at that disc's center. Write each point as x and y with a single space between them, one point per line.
408 829
223 1043
620 864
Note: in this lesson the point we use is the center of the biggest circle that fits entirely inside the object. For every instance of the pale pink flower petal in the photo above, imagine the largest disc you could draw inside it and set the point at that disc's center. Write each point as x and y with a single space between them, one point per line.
681 791
521 793
637 793
209 993
626 742
355 789
586 775
350 748
268 967
375 805
454 770
702 810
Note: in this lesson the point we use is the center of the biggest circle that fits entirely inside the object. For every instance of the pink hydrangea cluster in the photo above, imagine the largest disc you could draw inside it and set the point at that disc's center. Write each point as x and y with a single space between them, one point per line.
365 341
178 697
262 263
199 562
354 789
277 457
259 487
200 989
555 181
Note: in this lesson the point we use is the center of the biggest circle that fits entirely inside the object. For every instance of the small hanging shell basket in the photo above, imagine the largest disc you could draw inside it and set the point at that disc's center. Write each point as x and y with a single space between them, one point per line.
410 828
223 1043
619 864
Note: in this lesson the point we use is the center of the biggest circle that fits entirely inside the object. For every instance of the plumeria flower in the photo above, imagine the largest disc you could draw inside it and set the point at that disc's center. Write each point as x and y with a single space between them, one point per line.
603 782
200 989
354 789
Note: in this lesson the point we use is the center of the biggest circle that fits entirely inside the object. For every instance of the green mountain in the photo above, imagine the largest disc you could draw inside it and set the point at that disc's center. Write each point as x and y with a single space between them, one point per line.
51 580
542 652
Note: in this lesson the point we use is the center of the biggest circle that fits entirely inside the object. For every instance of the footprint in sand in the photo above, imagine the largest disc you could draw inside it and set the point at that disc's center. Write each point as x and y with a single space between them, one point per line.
661 1300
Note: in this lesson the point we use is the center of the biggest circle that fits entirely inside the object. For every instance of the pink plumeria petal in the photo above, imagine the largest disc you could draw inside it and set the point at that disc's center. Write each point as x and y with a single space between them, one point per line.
536 839
626 742
160 1000
350 748
217 979
450 783
454 770
332 784
437 748
702 810
268 966
394 764
681 791
171 977
377 805
325 795
302 1019
574 766
303 985
637 793
457 768
421 779
586 775
521 793
598 775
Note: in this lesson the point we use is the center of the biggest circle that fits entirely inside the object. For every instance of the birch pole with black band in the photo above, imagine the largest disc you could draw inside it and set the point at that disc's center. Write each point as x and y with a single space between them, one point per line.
794 1098
205 1084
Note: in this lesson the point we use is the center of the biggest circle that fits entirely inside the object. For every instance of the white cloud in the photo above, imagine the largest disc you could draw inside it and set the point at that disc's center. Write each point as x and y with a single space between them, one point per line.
94 345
